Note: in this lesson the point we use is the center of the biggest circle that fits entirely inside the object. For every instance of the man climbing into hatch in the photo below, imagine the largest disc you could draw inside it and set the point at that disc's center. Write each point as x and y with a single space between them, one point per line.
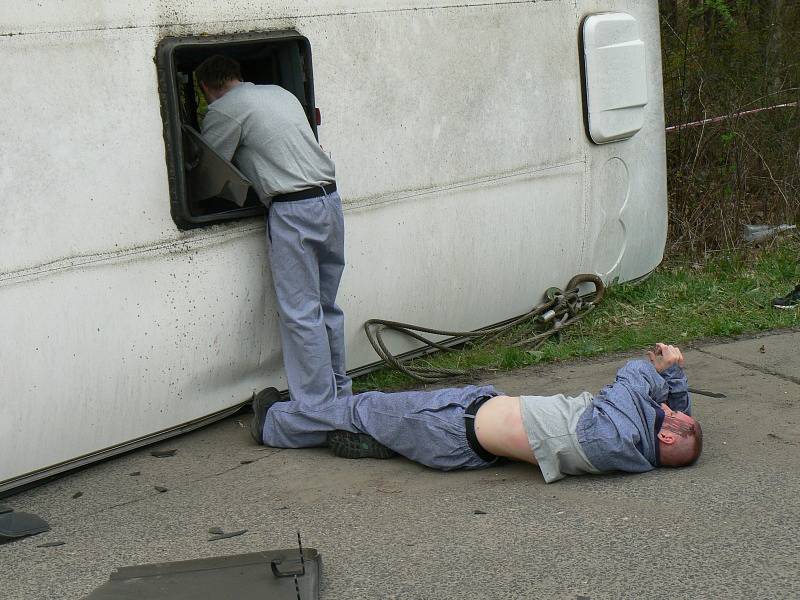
639 422
265 132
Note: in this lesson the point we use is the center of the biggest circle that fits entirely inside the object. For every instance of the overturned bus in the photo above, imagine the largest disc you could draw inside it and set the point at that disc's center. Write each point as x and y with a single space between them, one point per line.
485 151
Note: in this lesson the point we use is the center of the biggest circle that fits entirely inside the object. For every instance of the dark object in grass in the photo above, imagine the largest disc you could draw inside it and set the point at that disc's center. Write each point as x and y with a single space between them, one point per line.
225 536
51 544
479 512
790 300
77 495
215 530
706 393
135 473
164 453
759 233
160 488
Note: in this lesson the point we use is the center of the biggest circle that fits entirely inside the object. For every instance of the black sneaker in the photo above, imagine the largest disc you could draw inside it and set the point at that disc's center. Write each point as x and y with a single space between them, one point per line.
357 445
262 402
790 300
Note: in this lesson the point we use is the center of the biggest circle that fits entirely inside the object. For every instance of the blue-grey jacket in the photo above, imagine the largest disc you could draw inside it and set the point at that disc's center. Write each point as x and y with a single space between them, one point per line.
618 432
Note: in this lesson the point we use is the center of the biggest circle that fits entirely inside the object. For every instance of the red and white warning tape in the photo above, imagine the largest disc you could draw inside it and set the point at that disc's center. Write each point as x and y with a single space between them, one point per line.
731 116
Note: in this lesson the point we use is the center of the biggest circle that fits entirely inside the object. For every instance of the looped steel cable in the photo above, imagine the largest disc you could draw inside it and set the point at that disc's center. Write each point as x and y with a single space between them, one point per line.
561 309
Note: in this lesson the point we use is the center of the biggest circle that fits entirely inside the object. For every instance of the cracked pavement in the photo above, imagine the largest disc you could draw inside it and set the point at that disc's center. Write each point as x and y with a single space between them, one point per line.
726 527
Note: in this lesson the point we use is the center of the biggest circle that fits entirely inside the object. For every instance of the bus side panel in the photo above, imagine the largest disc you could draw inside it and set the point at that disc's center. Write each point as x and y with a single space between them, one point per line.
455 261
83 152
440 98
629 187
105 354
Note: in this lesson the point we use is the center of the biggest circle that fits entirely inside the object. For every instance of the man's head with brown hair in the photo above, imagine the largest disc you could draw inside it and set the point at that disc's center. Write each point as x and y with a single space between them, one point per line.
680 439
216 75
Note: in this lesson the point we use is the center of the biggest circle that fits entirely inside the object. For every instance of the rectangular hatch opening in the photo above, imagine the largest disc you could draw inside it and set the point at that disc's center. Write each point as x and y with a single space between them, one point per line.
205 188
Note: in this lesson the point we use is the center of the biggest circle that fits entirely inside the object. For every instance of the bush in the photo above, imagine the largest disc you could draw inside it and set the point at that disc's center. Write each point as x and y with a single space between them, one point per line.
723 58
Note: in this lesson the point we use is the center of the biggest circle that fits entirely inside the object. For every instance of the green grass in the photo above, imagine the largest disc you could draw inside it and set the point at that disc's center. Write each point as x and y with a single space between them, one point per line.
727 294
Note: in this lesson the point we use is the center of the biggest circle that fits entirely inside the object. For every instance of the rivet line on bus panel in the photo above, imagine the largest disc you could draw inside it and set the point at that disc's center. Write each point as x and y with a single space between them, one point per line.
196 241
277 18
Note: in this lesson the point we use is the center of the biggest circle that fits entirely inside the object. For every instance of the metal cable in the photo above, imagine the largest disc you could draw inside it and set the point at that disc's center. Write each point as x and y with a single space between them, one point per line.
561 309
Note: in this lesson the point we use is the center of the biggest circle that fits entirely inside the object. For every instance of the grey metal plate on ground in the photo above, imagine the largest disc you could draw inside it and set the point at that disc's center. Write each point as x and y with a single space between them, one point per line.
20 524
241 576
210 175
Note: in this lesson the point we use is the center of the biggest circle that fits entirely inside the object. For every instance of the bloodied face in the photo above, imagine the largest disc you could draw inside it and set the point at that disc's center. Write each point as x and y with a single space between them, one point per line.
680 439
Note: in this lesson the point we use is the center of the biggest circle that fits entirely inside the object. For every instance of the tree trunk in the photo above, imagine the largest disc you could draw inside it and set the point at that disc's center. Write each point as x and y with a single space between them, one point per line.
774 61
669 12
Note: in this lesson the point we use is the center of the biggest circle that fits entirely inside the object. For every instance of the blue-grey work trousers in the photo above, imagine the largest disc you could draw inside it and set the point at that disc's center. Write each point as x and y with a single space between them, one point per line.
307 259
425 426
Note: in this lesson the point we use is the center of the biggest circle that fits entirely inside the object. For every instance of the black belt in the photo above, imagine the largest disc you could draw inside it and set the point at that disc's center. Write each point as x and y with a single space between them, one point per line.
313 192
469 423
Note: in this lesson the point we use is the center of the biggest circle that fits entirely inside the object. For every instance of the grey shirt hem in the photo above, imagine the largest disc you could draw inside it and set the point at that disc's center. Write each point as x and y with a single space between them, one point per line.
549 423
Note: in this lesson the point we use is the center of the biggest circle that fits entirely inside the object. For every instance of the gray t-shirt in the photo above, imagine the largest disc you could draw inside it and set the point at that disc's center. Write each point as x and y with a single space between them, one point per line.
550 422
264 131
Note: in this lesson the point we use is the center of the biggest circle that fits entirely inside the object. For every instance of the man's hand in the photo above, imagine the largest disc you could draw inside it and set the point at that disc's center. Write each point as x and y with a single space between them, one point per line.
664 356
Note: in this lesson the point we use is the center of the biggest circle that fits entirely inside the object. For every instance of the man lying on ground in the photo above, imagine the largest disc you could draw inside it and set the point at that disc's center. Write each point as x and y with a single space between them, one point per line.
639 422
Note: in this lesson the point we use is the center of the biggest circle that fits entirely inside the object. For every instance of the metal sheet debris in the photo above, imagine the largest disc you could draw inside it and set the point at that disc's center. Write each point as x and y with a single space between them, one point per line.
241 576
15 525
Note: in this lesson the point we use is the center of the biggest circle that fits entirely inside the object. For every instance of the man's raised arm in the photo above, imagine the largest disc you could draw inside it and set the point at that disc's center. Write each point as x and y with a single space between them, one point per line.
661 379
668 361
640 379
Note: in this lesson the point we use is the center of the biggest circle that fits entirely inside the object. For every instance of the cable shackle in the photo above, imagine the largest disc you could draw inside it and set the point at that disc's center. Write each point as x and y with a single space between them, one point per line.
560 309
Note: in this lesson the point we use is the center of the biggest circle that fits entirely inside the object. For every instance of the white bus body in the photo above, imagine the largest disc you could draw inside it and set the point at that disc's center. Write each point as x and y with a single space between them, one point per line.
469 180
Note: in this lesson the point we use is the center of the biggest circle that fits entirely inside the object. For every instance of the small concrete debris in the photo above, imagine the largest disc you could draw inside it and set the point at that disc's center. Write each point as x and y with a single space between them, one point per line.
479 512
160 489
135 473
215 531
77 495
245 462
224 536
51 544
164 453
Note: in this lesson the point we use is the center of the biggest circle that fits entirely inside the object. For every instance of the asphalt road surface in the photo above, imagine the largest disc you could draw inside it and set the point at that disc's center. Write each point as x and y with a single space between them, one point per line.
724 528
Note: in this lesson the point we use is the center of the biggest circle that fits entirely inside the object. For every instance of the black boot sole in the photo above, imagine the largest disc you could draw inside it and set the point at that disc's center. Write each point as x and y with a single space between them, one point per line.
346 444
261 404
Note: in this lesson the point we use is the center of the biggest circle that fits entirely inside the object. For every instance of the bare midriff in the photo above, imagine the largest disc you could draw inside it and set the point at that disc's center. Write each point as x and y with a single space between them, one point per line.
498 426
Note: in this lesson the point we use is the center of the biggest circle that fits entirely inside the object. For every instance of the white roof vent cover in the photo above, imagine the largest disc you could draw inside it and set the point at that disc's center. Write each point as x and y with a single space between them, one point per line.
616 76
